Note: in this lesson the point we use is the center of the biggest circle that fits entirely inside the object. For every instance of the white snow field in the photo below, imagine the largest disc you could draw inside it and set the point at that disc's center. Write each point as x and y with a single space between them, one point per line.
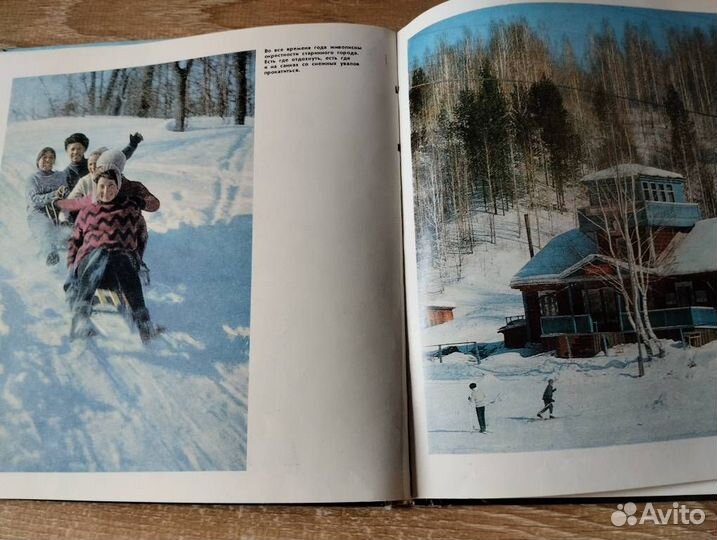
109 403
600 401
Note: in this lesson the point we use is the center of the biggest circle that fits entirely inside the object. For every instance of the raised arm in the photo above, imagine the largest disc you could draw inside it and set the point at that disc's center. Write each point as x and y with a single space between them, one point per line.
134 140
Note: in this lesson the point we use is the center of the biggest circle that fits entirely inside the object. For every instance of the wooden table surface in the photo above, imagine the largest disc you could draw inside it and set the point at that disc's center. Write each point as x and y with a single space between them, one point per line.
26 23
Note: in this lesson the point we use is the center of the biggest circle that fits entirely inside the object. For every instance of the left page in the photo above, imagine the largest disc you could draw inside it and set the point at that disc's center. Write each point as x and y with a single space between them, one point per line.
218 316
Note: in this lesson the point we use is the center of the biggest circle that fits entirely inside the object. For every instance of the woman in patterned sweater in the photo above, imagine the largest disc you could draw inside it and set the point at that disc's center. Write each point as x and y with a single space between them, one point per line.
102 253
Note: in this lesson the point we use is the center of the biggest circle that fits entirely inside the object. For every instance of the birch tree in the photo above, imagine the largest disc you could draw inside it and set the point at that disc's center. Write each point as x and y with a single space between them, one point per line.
628 244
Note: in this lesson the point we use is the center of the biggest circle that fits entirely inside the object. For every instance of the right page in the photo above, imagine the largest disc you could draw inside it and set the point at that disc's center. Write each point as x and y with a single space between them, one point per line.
559 218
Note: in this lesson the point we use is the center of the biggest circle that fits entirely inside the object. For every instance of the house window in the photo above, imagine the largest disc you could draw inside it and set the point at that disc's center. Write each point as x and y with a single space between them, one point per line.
683 289
548 304
661 192
593 303
646 191
653 188
594 199
610 303
701 296
670 299
670 192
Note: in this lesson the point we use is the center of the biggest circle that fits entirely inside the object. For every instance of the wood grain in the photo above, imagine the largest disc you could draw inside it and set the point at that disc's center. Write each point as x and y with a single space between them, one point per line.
34 24
100 521
62 22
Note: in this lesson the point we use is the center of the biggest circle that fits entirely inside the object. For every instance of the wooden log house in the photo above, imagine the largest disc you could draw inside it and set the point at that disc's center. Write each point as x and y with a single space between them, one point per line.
570 304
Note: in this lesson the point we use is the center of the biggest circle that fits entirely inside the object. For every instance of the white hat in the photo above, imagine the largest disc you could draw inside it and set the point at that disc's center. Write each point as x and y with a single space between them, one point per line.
111 160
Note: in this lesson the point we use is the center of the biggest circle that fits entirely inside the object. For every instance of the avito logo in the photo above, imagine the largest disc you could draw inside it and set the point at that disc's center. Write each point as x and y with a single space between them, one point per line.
679 514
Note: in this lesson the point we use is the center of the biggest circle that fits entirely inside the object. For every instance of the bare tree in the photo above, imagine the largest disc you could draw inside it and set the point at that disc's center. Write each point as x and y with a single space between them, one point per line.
121 97
630 265
240 64
145 104
180 106
109 90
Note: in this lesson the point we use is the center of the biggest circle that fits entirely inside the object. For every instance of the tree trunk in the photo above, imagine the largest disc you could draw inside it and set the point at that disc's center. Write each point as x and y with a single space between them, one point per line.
180 107
122 94
145 104
92 93
240 59
109 91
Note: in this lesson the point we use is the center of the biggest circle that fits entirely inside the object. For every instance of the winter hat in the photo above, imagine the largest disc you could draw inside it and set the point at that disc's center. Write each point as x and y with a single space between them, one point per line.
77 137
111 160
98 152
46 150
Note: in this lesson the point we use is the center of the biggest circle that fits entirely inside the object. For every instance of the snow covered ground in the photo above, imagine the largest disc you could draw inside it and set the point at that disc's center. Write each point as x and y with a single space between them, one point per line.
483 297
112 404
600 401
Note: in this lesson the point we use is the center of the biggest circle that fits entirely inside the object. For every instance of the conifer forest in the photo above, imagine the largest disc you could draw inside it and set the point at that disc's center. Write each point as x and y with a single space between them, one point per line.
510 123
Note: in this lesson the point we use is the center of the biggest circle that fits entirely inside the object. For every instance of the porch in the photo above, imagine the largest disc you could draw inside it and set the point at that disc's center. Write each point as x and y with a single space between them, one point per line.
660 319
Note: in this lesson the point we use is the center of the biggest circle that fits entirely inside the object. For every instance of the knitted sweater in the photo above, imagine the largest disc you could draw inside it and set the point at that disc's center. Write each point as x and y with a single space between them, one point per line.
74 172
117 225
41 189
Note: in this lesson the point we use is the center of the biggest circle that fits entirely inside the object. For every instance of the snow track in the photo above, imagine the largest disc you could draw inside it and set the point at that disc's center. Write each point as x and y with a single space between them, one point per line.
600 401
109 403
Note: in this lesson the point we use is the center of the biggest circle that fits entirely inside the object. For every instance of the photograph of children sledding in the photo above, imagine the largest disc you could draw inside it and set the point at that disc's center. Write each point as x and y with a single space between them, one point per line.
102 211
125 279
565 196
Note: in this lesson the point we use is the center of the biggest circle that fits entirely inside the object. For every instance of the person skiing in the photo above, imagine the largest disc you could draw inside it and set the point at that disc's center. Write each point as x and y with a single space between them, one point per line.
478 398
548 399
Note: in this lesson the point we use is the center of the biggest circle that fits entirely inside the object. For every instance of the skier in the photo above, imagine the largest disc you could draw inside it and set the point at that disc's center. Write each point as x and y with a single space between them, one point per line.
478 398
44 189
548 399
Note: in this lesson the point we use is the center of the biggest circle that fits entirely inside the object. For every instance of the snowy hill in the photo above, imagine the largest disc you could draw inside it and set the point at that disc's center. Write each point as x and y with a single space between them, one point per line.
111 404
600 401
483 296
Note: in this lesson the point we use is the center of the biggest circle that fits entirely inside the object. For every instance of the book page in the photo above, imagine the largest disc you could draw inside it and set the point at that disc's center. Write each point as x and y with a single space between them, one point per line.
245 339
560 180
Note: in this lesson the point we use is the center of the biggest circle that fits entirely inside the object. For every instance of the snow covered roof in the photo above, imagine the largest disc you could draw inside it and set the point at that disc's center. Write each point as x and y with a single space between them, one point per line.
695 253
630 169
691 253
561 253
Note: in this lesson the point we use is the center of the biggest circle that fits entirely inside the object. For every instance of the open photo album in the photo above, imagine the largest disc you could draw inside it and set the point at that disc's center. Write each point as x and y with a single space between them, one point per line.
334 263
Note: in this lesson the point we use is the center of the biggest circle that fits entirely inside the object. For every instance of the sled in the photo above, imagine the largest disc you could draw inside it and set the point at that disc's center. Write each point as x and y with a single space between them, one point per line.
109 301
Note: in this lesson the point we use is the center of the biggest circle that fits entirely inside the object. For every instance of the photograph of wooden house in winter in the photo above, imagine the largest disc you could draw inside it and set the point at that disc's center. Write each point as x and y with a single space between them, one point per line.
637 269
565 205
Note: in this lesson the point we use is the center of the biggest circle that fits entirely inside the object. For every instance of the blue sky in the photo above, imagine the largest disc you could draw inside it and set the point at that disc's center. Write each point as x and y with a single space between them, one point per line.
556 22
